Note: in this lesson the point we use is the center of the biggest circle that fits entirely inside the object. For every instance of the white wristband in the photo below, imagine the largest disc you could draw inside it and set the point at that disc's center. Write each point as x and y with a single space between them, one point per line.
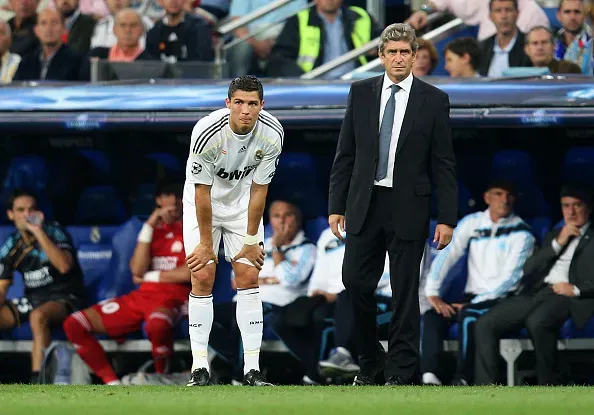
251 240
146 234
152 276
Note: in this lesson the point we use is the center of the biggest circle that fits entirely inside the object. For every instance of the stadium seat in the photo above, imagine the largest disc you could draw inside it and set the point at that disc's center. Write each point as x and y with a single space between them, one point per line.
579 165
27 172
515 166
166 160
531 203
100 164
143 200
5 232
466 203
540 226
315 227
91 234
99 205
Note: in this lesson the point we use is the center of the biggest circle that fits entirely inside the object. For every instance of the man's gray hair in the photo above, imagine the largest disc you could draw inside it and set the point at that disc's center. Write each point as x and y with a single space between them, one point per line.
399 32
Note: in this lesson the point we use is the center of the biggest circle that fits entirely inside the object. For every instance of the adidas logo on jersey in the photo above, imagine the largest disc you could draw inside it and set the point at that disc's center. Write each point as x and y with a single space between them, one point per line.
236 174
242 150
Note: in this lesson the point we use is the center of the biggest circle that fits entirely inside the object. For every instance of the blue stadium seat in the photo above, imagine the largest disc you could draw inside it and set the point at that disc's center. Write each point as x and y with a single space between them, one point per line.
466 203
579 165
540 226
166 160
515 166
143 200
5 232
315 227
100 164
531 203
94 260
100 205
29 172
91 234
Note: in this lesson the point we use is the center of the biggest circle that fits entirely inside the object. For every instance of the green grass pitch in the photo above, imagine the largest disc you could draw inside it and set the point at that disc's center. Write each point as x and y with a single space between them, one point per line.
161 400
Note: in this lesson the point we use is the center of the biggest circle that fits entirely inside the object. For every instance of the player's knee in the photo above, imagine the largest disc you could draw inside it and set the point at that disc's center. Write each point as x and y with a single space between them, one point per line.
246 276
202 280
38 319
75 325
158 326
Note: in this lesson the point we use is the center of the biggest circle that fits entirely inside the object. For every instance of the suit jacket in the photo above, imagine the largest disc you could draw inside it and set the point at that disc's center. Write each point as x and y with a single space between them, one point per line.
581 273
79 36
64 66
517 56
424 157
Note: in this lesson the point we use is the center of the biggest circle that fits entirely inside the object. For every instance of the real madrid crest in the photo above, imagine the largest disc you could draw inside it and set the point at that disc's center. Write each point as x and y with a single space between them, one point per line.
259 155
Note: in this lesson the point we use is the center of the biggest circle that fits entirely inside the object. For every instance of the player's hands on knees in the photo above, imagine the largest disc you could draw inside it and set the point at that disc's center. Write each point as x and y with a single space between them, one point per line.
253 253
200 257
441 307
336 223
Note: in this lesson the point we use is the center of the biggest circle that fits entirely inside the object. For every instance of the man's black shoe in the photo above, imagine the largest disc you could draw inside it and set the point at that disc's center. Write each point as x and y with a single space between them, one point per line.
255 378
395 381
199 377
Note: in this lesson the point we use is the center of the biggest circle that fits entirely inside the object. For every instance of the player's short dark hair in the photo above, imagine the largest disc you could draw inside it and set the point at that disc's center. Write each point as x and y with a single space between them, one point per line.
16 193
465 45
577 190
515 2
169 188
563 1
293 203
247 83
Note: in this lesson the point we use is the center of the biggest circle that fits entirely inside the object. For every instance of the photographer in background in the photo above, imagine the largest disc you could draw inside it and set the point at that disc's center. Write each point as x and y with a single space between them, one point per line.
44 255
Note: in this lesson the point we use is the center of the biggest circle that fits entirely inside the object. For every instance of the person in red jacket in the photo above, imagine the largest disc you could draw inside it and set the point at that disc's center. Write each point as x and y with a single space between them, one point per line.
159 266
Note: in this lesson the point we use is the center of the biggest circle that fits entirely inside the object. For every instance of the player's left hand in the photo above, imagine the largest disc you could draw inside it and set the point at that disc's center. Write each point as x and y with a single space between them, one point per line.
137 280
35 222
443 235
253 253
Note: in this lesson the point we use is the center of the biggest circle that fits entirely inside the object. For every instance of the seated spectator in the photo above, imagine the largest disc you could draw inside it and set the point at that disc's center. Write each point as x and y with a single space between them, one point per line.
44 255
505 48
9 62
426 58
21 26
539 48
53 60
159 266
463 58
558 283
476 12
289 261
241 57
319 35
103 33
79 27
574 40
497 242
179 36
95 8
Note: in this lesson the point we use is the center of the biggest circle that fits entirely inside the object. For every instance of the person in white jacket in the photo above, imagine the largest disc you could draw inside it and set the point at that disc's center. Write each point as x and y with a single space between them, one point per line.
497 243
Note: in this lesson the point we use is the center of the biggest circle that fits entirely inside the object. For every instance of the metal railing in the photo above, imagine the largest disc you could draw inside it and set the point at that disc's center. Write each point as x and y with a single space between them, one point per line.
229 27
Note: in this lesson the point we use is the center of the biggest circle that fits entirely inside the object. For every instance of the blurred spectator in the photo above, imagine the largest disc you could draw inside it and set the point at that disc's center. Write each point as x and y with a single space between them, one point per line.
128 30
558 283
79 27
497 243
539 48
241 56
43 253
476 12
159 267
506 47
103 33
96 8
319 35
179 36
53 60
574 40
21 26
9 62
426 59
463 57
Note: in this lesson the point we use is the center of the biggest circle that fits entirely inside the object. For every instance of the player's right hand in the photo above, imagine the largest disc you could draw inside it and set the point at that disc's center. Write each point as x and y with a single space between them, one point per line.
570 230
200 257
336 223
253 253
441 307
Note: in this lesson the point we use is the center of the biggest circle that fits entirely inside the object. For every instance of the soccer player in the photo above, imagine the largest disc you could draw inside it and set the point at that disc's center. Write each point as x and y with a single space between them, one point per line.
233 157
158 265
54 288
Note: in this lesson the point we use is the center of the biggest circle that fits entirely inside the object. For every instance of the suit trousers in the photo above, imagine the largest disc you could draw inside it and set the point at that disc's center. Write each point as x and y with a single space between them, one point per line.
363 266
542 313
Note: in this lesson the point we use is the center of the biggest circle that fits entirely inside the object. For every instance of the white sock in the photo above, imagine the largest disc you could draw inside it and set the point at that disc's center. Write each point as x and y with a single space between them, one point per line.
114 383
250 322
200 313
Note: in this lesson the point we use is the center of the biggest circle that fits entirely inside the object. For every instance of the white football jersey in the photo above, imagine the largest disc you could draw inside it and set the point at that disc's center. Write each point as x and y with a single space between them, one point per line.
230 162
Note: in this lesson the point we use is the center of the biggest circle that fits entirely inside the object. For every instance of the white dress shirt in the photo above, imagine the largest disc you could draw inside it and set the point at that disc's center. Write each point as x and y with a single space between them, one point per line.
401 98
500 60
560 270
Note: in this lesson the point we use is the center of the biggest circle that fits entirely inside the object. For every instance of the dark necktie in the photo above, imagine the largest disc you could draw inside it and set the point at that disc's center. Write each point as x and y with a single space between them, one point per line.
385 135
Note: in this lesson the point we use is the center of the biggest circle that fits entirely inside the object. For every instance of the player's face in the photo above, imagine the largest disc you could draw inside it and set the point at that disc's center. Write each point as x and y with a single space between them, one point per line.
171 200
500 202
22 207
284 219
245 108
398 59
575 211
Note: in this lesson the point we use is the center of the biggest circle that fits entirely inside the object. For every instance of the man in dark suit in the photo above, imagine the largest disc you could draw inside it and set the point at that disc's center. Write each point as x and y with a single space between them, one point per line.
505 48
381 182
558 283
79 27
53 60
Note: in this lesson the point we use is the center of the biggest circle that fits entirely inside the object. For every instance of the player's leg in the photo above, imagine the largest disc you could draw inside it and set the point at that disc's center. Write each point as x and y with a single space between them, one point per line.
249 305
159 329
10 315
200 306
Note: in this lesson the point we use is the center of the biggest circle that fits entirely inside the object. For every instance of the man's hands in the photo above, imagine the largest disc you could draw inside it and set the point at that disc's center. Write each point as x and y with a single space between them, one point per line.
564 288
569 230
443 235
200 257
336 223
442 308
35 223
253 253
283 235
165 214
417 20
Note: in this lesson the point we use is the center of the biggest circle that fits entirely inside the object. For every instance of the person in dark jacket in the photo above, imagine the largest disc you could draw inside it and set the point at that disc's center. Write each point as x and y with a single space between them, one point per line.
79 27
21 26
53 60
